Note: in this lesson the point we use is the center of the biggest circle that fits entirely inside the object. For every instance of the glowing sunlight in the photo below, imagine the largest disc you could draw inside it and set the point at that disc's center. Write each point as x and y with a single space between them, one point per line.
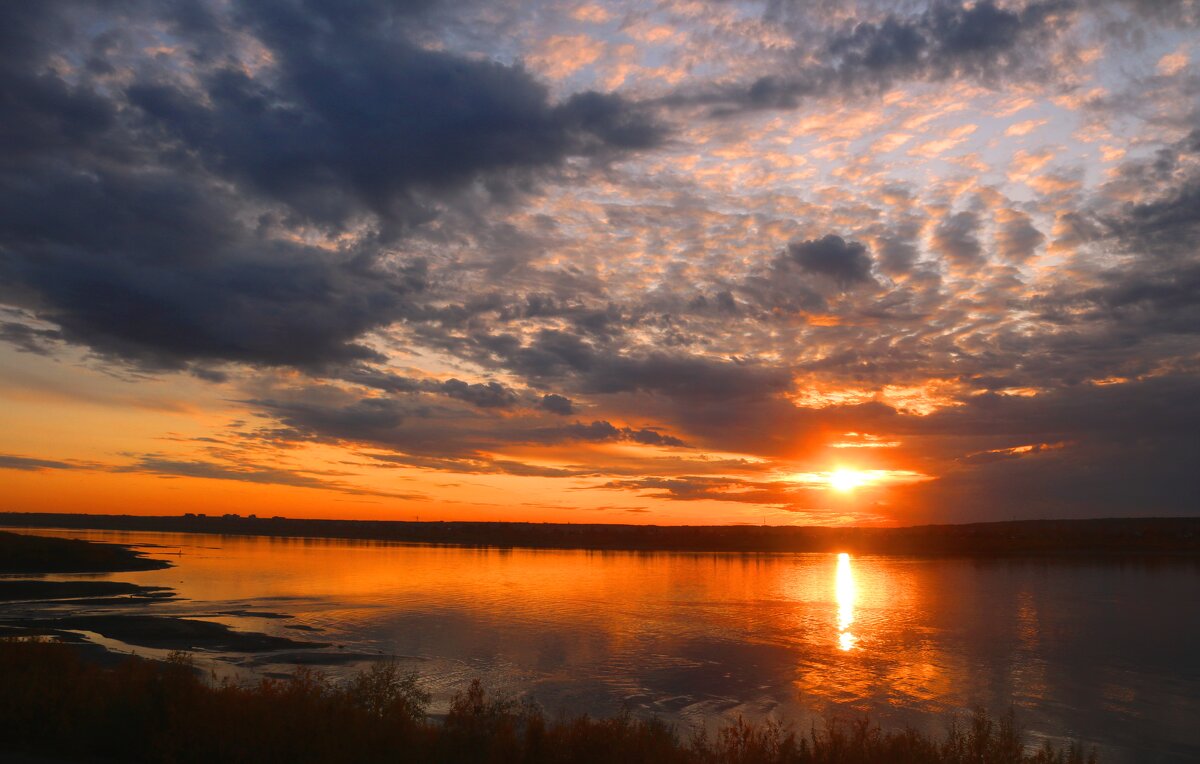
846 593
847 480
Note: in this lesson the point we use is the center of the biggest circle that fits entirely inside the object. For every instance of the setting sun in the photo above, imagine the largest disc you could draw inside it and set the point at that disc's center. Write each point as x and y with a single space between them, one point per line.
846 480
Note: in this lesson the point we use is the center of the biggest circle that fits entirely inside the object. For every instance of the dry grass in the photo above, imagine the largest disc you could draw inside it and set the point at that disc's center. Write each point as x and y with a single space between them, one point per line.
53 702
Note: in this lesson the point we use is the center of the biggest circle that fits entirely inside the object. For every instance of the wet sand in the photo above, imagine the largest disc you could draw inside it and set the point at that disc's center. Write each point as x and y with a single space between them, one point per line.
33 555
171 633
20 553
26 589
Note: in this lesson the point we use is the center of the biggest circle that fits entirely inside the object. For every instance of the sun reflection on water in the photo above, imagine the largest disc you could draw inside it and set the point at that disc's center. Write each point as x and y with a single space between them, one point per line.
846 593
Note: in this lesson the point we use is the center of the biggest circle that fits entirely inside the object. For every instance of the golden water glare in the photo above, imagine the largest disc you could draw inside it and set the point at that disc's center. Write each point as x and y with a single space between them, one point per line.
846 592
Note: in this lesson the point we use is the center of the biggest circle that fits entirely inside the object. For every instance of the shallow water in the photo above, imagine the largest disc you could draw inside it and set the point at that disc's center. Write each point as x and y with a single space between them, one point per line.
1102 651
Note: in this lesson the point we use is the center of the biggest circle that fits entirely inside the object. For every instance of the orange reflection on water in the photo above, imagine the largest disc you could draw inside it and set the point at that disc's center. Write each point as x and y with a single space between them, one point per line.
846 592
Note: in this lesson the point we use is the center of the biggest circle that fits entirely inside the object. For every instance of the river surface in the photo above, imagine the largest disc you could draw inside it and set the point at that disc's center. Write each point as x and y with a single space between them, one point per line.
1102 651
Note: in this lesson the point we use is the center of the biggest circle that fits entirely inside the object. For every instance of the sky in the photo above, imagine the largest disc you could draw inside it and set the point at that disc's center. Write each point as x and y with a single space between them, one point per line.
662 261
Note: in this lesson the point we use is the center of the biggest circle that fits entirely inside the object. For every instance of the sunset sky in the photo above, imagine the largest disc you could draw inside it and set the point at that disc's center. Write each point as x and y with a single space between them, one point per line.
832 261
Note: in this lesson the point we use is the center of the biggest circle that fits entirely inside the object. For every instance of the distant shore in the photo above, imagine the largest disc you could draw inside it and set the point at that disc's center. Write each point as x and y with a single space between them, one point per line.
24 554
1107 537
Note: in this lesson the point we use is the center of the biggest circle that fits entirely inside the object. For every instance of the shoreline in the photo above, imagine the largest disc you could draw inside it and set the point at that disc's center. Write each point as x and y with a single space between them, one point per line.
24 563
1115 537
21 554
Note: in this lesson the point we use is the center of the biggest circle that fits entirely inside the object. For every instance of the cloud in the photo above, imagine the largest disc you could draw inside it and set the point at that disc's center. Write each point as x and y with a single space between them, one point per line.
420 430
598 367
152 216
145 266
980 41
31 464
378 232
1165 226
489 395
353 117
358 419
956 238
1017 238
1126 447
845 262
685 377
557 404
27 338
601 431
166 467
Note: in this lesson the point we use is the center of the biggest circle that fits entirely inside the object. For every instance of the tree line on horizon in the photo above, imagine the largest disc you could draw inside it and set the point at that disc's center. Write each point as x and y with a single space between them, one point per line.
1104 536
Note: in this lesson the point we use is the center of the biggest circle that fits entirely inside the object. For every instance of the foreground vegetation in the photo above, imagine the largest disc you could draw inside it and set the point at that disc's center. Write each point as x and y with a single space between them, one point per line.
53 702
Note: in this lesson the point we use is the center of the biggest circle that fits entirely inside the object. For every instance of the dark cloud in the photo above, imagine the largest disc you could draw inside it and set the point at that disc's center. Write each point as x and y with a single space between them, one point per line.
484 395
557 404
704 488
825 275
439 437
362 419
157 464
594 366
1017 238
355 117
648 437
30 464
27 338
44 111
166 467
144 266
846 262
144 220
982 41
1167 226
683 377
479 465
1171 12
601 431
1091 450
956 237
1145 305
552 353
898 252
149 261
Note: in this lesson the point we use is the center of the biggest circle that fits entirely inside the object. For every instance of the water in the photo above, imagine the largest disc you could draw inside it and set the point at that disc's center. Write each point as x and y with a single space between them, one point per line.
1101 651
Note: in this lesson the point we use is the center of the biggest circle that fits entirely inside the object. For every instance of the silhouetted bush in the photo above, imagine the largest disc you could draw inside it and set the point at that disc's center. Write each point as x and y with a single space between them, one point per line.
51 701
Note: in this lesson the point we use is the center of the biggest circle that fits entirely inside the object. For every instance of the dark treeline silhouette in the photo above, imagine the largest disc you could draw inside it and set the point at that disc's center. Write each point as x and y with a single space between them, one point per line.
1122 536
54 703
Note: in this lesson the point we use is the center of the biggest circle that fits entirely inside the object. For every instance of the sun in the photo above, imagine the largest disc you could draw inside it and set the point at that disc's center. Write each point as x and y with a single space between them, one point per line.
846 480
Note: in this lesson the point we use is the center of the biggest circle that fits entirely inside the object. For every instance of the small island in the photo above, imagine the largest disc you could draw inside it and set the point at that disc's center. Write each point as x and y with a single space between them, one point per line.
21 553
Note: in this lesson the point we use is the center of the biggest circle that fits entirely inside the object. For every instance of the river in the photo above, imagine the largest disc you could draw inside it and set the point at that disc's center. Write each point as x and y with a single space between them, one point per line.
1102 651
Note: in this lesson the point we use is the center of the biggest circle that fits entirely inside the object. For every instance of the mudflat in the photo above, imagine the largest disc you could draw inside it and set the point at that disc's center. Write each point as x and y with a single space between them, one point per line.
20 553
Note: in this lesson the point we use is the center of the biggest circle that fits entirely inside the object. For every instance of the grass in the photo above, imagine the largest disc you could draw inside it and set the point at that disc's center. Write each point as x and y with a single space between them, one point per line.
53 702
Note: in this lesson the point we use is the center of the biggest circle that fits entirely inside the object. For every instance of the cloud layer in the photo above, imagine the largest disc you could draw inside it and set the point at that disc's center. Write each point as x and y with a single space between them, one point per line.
697 258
